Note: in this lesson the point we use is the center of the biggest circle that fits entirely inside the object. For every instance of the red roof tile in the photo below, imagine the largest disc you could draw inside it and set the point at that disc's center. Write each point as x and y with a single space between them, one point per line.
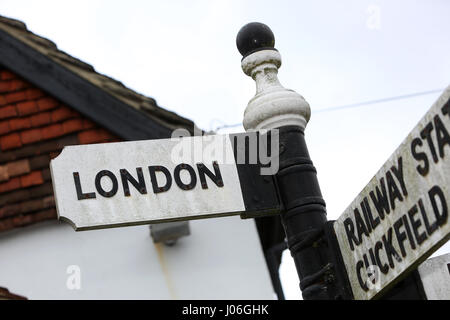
35 126
33 131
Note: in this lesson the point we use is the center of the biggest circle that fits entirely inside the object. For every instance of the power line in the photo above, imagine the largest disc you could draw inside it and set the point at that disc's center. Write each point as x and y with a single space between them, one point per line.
354 105
359 104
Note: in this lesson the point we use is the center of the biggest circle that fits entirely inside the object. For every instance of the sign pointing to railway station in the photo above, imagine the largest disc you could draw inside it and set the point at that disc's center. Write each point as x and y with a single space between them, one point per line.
401 216
394 224
139 182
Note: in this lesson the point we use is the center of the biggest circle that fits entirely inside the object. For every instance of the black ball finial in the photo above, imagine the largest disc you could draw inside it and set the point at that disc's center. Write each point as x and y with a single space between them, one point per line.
253 37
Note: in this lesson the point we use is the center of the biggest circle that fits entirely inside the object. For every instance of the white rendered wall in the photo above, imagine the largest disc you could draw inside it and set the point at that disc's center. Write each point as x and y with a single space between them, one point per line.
221 259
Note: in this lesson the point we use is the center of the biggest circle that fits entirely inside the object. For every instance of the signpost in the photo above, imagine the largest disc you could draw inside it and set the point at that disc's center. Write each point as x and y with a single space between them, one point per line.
401 216
140 182
395 223
118 184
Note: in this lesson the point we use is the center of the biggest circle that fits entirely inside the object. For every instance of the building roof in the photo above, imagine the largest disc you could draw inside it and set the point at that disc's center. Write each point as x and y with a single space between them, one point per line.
6 295
49 100
107 101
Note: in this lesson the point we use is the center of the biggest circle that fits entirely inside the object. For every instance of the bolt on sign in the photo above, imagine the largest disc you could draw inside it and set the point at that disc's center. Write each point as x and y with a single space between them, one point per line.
401 216
139 182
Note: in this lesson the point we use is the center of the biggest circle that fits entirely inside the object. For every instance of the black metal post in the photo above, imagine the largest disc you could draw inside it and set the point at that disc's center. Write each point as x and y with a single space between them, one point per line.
304 216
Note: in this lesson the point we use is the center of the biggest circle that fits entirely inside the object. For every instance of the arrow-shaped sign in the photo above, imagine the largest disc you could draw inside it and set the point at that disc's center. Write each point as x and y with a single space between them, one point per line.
140 182
401 216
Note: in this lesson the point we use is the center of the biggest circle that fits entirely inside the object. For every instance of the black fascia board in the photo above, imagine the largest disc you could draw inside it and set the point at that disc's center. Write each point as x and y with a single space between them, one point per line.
78 93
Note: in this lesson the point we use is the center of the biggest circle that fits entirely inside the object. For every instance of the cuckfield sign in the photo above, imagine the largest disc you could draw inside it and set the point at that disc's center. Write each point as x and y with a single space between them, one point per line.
401 216
139 182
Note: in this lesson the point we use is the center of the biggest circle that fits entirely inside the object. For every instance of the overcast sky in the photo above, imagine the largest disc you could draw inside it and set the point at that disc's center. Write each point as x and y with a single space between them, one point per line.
183 54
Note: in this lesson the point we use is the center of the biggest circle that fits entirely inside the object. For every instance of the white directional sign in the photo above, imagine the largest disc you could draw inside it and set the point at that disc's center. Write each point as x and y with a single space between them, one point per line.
435 276
401 216
130 183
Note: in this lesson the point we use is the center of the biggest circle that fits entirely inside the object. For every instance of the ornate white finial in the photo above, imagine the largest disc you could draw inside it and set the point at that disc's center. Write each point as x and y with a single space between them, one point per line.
273 105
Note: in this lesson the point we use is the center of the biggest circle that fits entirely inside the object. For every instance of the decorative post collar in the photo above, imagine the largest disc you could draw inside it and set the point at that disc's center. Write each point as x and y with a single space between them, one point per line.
273 106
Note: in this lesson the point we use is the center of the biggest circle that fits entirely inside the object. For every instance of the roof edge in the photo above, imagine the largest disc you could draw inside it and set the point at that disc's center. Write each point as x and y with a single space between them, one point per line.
106 101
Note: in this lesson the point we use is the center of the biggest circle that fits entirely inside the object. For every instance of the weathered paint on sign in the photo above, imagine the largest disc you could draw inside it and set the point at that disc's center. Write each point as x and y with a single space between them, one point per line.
401 216
435 277
130 183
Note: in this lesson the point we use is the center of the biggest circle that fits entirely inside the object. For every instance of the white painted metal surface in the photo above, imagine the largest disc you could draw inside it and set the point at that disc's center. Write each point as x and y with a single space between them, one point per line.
435 276
380 240
273 105
136 208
